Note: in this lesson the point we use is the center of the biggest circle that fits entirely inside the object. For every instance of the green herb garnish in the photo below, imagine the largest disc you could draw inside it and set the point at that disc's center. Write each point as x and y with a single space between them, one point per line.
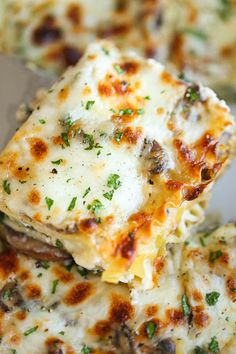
7 187
108 195
199 350
72 204
82 271
59 244
214 255
86 192
118 69
42 121
65 138
212 298
95 206
57 162
89 105
185 306
6 295
195 32
213 346
126 112
114 181
118 136
86 350
54 285
106 51
150 329
30 331
49 202
140 111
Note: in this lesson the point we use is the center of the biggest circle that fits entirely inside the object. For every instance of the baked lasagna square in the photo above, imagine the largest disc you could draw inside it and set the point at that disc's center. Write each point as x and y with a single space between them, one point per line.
116 162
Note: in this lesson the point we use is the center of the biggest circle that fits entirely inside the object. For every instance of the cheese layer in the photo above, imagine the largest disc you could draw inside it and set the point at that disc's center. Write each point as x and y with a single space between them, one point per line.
112 159
50 307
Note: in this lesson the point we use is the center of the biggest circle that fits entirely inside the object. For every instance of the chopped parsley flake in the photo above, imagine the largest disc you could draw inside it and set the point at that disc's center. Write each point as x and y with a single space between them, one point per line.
147 97
106 51
6 295
89 139
13 351
54 285
225 10
42 264
95 206
118 136
193 94
212 298
140 111
40 275
72 204
7 187
150 329
30 331
196 32
214 255
61 333
49 202
42 121
108 195
202 241
86 192
86 350
59 244
185 306
65 138
199 350
112 110
213 346
118 69
89 105
82 271
126 112
113 181
57 162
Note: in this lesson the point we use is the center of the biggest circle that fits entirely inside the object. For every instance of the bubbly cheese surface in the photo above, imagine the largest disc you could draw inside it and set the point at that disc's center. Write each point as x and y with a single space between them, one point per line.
111 160
46 306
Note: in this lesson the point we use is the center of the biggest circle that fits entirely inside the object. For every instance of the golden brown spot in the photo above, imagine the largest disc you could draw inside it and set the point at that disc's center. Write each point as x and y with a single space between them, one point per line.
57 140
177 51
191 193
151 310
102 328
114 30
167 78
78 293
33 291
197 295
231 287
201 319
21 173
121 309
160 111
127 247
63 93
74 14
159 264
87 90
9 264
25 275
38 148
130 67
88 225
54 345
132 135
34 197
227 51
92 57
15 339
105 90
21 315
62 274
111 86
175 317
37 217
192 15
174 185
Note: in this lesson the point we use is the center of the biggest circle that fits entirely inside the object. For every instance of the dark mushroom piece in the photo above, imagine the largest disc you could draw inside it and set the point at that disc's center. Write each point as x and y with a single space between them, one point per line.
123 340
32 247
10 296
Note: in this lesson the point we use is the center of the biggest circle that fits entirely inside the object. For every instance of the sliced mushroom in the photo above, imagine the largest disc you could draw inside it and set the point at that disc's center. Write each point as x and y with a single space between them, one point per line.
156 157
32 247
123 340
165 346
10 297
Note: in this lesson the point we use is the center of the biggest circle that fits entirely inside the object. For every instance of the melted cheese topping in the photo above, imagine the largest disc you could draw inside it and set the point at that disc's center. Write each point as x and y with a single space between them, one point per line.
46 306
112 158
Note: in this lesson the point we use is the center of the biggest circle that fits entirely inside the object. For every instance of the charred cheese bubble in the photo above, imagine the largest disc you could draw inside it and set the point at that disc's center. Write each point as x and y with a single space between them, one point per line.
118 154
53 308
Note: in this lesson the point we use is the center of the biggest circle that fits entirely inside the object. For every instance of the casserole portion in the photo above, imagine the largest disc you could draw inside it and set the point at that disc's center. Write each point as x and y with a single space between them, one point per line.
116 156
62 308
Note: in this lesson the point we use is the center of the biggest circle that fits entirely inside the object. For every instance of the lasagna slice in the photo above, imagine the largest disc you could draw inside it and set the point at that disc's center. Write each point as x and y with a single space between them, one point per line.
54 34
204 42
116 156
49 308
